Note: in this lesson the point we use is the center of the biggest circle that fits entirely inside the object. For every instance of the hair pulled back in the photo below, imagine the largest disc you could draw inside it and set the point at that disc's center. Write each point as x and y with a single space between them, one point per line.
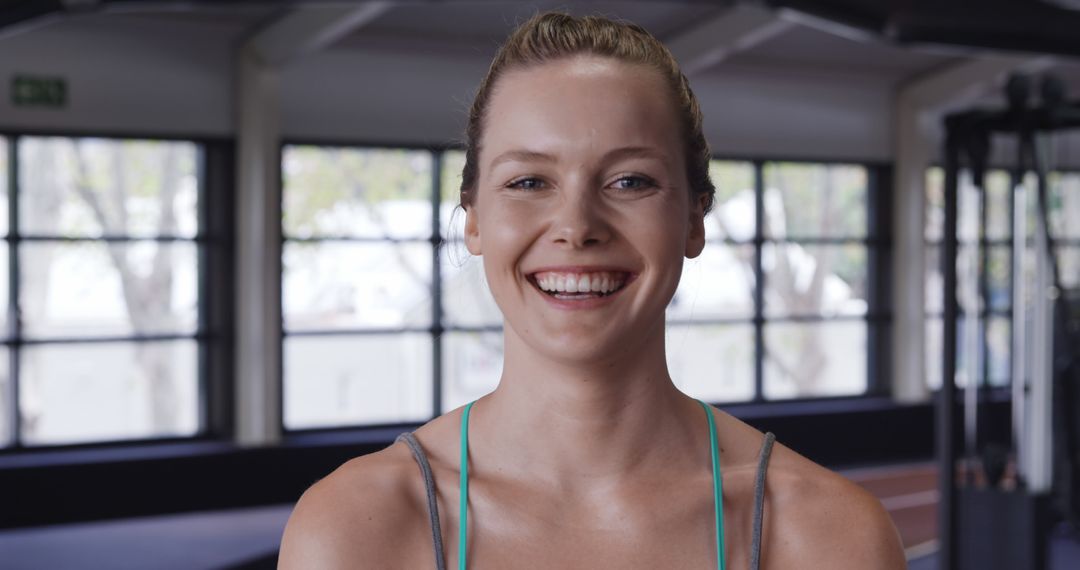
552 36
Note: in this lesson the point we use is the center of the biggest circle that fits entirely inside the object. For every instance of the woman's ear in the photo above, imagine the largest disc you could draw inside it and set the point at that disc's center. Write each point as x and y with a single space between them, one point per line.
472 230
695 238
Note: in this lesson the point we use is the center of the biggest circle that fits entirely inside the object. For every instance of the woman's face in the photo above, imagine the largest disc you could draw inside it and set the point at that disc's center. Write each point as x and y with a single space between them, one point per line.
582 211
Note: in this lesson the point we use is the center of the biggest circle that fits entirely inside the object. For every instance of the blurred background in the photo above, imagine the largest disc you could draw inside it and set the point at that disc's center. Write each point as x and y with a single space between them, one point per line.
233 252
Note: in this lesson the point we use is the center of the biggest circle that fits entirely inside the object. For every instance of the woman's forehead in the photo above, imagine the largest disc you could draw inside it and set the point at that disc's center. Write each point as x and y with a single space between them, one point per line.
585 104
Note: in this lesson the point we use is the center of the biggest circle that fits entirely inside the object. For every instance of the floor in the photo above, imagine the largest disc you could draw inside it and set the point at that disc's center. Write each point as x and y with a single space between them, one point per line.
239 539
247 539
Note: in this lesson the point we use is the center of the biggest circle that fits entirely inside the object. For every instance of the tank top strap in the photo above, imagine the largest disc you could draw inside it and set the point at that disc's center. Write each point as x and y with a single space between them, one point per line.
429 486
718 488
759 500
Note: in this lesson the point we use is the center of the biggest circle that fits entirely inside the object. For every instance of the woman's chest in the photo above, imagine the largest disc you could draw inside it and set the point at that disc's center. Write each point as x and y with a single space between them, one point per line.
658 526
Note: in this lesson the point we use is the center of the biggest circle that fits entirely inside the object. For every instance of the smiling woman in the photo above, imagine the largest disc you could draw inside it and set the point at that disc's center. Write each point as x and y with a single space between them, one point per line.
585 187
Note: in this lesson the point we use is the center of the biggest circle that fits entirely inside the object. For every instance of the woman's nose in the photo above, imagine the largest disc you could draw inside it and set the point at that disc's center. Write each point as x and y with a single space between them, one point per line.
579 219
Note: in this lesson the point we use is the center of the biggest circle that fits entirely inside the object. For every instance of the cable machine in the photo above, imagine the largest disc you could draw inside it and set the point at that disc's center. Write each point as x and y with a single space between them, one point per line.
1004 500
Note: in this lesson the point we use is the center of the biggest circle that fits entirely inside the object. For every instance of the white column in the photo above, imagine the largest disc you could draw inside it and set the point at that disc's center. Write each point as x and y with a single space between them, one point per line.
913 155
297 33
258 253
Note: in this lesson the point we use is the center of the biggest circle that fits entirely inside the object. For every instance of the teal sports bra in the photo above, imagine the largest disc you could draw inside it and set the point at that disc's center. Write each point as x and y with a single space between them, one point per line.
718 493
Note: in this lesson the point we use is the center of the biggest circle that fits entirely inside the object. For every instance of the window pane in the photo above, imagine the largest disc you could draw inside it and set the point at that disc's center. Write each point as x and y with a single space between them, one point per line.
451 218
5 399
714 363
73 393
935 335
4 158
968 266
732 216
356 380
1065 204
467 300
1069 265
998 271
814 200
472 366
933 294
935 279
716 284
93 187
814 279
336 285
815 359
999 350
356 192
101 289
998 196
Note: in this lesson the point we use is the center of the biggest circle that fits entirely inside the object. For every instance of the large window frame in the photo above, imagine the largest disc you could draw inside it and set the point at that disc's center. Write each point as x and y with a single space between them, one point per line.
212 243
876 241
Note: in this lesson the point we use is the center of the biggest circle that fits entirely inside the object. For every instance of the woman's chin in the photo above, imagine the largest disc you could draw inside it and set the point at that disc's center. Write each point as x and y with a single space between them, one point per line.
587 350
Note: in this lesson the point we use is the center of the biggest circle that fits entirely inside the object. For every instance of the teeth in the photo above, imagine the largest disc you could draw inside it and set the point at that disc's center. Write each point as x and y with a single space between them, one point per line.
602 282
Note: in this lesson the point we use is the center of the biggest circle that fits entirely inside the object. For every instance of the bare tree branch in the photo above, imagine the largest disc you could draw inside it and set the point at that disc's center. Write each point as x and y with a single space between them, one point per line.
128 282
160 283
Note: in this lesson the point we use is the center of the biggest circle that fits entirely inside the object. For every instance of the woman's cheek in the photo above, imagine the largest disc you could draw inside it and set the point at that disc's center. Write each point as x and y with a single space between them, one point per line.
510 221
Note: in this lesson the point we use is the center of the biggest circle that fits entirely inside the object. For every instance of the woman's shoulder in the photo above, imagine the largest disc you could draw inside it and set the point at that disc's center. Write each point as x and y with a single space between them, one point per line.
814 517
821 519
360 512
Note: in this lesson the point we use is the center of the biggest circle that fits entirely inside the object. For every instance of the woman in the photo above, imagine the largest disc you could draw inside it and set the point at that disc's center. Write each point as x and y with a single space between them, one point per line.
585 185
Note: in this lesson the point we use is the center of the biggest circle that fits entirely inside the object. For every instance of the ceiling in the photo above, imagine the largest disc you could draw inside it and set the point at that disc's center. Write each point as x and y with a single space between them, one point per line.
852 37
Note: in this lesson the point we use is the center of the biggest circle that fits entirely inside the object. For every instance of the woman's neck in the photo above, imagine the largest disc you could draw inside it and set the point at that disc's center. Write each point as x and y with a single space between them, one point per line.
576 428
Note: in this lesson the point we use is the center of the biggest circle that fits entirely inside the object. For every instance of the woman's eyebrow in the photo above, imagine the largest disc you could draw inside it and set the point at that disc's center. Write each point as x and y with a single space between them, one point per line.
521 156
613 155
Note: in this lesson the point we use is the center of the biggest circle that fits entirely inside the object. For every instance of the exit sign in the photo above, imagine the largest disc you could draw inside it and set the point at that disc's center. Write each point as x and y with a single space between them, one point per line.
36 91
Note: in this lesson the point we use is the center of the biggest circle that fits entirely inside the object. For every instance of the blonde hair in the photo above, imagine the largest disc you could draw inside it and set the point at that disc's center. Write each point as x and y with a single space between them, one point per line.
552 36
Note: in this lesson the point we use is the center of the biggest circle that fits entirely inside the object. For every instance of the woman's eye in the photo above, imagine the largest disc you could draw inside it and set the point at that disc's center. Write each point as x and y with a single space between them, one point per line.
633 183
526 184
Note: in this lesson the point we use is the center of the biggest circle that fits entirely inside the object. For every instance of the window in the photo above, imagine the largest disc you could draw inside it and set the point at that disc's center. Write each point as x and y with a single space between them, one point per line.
985 273
797 243
358 263
816 277
387 317
103 270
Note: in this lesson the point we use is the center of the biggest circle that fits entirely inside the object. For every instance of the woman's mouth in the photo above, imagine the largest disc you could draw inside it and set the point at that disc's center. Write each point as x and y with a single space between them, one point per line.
578 286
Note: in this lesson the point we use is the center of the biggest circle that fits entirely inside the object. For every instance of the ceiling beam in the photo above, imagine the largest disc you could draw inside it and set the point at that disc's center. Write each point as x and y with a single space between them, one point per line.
739 28
967 80
309 29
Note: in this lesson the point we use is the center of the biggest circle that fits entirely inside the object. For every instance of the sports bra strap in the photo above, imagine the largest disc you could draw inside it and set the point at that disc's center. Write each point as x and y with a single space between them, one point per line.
433 507
429 485
759 500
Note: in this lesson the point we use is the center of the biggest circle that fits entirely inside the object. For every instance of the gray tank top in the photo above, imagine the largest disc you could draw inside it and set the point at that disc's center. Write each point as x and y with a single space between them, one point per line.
436 530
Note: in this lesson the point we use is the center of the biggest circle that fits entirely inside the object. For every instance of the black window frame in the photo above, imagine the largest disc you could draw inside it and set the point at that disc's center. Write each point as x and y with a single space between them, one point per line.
877 241
213 335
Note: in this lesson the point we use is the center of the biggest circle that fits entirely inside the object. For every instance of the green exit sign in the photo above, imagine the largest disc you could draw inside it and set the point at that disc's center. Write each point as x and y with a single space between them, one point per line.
36 91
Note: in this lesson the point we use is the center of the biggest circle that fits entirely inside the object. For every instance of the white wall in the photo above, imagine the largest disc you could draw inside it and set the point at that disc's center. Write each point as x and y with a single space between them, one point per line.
356 95
777 112
138 75
350 94
124 75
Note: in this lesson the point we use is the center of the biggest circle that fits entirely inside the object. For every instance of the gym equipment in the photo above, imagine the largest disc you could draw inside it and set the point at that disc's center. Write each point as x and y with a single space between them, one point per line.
1006 520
